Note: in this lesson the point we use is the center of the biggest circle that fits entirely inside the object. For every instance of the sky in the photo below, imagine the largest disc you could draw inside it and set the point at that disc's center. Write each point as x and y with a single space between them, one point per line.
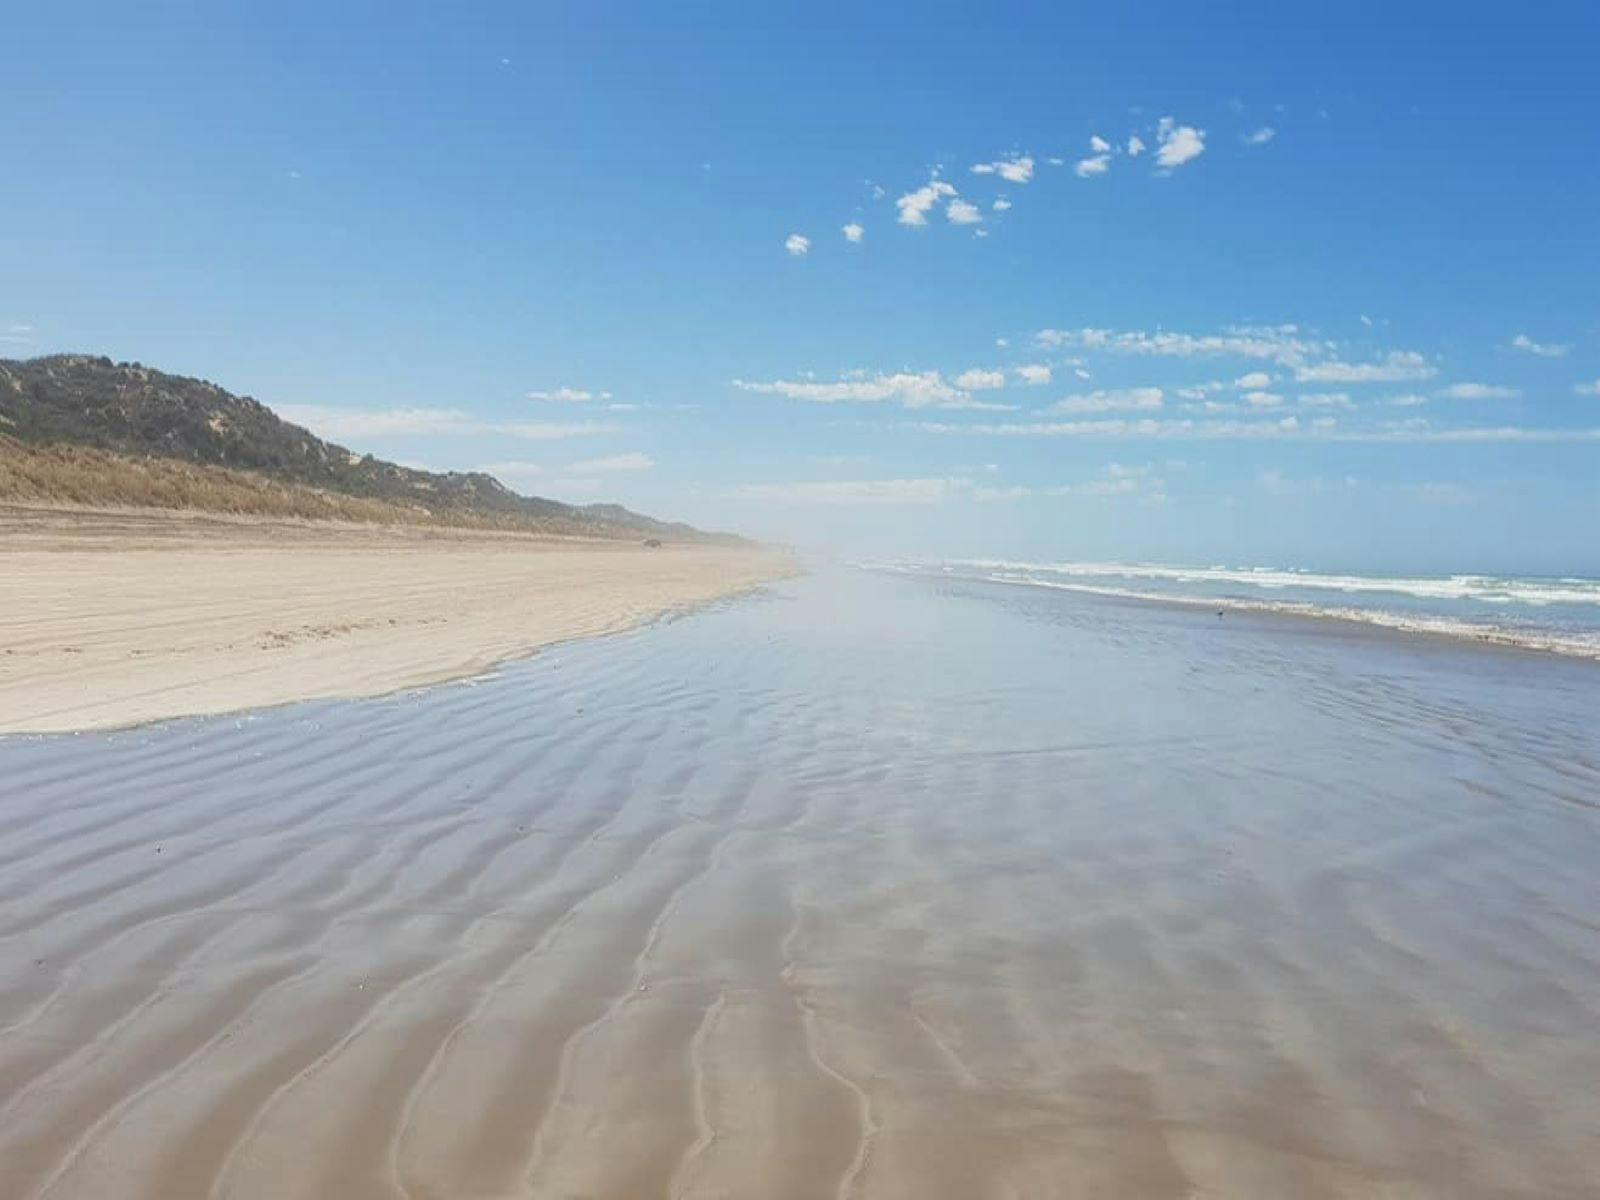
1262 283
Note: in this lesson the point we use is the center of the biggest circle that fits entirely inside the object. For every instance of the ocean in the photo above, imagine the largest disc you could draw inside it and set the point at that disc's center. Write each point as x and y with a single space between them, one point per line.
1545 613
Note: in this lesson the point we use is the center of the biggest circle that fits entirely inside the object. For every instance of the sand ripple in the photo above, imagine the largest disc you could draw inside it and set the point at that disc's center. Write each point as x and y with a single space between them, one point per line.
864 887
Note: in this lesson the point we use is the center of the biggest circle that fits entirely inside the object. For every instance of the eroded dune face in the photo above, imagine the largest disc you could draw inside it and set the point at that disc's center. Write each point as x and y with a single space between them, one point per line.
860 887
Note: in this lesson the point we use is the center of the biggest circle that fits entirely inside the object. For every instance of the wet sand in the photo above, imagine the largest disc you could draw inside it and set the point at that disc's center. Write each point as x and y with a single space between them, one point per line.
859 886
110 619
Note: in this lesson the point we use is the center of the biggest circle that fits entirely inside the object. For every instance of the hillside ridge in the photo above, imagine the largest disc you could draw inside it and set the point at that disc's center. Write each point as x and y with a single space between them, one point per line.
131 411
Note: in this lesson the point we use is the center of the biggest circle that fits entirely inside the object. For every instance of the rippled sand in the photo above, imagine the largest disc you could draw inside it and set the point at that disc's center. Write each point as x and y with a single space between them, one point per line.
861 887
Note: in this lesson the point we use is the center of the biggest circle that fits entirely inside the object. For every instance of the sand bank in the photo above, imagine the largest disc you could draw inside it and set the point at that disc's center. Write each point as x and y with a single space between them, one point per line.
114 619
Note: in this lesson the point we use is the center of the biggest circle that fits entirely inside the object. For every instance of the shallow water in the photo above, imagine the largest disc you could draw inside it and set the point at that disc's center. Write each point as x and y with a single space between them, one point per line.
1560 615
868 885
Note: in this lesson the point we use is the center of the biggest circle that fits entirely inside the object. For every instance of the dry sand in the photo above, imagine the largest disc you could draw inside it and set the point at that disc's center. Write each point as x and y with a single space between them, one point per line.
111 619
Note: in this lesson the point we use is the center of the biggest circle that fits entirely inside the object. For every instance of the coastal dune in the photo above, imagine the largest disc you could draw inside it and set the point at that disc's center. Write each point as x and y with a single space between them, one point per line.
110 619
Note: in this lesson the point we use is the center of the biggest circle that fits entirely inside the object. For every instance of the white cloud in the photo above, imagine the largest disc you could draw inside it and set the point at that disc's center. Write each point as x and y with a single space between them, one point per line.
339 423
1099 145
1199 391
1264 400
1033 373
1411 400
913 389
977 380
1178 144
1098 164
1587 389
797 244
914 206
1253 380
1540 349
853 232
1186 429
1326 400
1115 480
611 463
569 395
1119 400
1477 391
1274 343
1261 136
19 334
1001 204
1136 146
1399 366
1017 169
960 212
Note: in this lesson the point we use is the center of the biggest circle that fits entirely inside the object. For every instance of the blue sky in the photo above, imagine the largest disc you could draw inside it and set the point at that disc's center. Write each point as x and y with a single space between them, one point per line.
1244 283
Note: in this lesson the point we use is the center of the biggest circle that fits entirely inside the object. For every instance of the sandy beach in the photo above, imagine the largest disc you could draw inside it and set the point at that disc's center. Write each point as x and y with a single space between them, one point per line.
109 619
858 886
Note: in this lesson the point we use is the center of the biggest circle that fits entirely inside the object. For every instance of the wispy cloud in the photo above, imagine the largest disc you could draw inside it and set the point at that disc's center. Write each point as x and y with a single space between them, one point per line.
1478 391
1115 480
1399 366
1260 137
1033 374
18 334
1591 388
913 389
341 423
1136 146
1287 428
1095 164
1253 379
568 395
915 206
797 244
1539 349
1281 344
1123 400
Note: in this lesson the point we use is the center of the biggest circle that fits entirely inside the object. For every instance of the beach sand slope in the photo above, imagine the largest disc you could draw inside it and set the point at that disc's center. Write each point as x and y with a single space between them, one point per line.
111 619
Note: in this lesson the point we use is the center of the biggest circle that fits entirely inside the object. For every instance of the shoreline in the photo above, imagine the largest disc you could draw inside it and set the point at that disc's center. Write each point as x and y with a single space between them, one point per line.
114 619
1442 630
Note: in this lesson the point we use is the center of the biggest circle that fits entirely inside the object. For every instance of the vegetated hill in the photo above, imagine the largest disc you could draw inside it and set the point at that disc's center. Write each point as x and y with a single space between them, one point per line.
133 412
